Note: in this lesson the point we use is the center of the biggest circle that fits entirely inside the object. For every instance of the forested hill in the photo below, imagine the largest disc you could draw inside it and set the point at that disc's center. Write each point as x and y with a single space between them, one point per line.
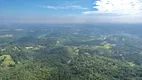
71 52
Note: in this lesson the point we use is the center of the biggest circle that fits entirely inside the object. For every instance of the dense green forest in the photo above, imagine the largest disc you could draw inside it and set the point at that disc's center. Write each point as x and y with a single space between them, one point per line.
71 52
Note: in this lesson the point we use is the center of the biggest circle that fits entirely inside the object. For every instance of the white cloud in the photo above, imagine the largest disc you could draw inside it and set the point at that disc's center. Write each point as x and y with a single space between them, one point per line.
120 7
66 7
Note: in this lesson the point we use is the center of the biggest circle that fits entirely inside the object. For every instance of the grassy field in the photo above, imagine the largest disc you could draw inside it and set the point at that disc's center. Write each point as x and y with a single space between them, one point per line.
6 60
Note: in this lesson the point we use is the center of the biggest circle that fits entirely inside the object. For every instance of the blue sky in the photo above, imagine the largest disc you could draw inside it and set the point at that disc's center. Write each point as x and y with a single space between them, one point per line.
36 7
70 11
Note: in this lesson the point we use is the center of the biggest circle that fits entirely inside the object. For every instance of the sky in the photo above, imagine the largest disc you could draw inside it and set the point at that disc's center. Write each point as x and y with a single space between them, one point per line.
71 11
